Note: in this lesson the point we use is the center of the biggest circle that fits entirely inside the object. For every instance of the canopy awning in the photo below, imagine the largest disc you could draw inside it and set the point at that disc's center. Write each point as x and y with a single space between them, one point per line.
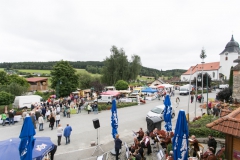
113 93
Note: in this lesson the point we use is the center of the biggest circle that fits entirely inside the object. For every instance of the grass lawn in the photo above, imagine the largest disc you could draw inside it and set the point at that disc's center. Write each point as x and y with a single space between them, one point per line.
1 69
146 78
34 71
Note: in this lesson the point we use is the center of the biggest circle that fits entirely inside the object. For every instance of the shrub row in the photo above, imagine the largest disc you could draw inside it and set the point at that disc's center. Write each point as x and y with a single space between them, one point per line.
199 129
105 106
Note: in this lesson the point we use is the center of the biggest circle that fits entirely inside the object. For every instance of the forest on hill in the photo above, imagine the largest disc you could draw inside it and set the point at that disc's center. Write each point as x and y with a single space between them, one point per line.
90 66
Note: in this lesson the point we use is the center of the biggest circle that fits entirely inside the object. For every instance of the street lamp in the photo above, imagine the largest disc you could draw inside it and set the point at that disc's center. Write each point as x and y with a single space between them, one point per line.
199 80
202 56
207 92
189 92
196 94
57 93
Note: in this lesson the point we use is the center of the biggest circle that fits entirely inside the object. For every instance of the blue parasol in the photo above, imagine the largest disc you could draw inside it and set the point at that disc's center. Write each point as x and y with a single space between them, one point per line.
180 139
114 119
167 113
9 148
27 139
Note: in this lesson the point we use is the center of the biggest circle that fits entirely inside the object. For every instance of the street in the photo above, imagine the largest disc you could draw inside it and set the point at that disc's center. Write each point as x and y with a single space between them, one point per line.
130 118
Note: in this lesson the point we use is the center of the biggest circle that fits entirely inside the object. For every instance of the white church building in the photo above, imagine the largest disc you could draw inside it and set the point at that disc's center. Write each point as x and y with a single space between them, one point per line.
217 70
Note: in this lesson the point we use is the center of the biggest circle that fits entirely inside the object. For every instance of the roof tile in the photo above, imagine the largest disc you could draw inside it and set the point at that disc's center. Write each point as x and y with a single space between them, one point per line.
229 124
205 67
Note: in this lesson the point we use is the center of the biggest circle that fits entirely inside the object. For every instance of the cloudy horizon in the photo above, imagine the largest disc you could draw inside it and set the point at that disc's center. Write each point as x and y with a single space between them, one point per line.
165 34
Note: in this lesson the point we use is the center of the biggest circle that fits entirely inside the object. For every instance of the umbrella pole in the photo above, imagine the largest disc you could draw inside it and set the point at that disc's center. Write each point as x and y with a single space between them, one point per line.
98 146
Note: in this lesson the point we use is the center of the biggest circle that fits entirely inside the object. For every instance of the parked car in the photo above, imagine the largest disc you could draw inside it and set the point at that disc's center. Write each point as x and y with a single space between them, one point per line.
158 112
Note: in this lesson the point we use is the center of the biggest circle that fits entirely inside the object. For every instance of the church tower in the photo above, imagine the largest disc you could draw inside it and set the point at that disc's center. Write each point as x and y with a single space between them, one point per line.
227 56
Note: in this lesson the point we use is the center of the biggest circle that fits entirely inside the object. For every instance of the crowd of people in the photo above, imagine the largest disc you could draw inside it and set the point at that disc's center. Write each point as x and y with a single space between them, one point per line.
142 142
210 154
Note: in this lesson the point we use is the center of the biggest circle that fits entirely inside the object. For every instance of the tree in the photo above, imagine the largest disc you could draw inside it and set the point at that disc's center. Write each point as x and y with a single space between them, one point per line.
231 78
4 78
16 89
203 55
64 78
97 85
116 67
85 80
121 85
18 80
6 98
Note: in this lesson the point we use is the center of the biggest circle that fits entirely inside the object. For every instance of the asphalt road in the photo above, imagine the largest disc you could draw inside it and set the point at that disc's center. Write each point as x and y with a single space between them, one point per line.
130 118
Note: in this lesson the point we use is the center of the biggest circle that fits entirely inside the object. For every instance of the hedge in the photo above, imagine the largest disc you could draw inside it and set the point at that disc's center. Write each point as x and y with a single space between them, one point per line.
199 129
105 106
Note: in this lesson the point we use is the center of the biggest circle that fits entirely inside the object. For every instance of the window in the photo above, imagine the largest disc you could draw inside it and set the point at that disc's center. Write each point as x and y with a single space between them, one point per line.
226 58
213 74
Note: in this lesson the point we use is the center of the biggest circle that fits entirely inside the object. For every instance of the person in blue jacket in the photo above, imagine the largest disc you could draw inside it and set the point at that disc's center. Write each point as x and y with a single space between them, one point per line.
67 133
118 145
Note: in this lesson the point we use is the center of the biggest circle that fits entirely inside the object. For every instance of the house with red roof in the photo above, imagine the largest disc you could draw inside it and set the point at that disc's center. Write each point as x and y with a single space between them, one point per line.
38 83
216 70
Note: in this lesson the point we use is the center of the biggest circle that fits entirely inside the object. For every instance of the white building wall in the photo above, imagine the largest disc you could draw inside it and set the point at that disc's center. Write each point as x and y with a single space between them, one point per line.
227 64
213 74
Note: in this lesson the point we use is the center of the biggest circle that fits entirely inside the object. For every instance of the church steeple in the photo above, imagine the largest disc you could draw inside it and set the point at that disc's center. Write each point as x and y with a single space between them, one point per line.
232 46
232 39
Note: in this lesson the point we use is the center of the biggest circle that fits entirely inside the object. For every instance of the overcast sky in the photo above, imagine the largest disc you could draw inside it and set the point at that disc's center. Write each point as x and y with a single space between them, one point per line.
165 34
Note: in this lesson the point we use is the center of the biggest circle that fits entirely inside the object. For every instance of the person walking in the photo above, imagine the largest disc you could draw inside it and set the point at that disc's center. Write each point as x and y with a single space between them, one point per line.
43 112
118 145
95 105
177 101
57 119
52 121
40 122
48 112
67 133
192 97
59 133
89 108
53 151
33 118
68 112
11 117
4 117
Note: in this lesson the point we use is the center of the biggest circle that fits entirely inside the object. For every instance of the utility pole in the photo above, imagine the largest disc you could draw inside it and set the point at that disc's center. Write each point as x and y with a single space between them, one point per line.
189 93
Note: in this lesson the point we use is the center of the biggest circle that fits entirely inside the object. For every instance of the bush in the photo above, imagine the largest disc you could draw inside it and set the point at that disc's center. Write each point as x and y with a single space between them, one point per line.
121 85
199 129
6 98
105 106
225 94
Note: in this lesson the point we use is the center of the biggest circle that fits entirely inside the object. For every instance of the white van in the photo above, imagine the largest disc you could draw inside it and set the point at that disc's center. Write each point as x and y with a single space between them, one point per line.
184 90
105 99
26 101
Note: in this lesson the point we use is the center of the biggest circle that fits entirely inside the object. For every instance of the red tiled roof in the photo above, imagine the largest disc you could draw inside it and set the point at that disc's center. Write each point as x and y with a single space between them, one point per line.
205 67
225 112
229 124
36 79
